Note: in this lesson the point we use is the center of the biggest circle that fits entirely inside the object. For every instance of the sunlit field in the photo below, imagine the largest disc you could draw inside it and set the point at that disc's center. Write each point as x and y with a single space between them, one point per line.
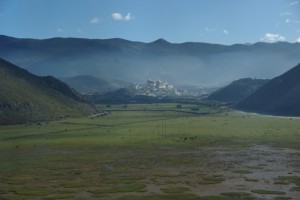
153 151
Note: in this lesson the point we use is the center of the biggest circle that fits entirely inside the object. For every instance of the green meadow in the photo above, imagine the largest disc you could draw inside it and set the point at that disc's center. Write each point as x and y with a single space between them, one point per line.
153 151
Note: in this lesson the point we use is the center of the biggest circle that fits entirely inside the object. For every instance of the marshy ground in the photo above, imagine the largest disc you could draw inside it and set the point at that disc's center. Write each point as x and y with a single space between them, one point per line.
152 152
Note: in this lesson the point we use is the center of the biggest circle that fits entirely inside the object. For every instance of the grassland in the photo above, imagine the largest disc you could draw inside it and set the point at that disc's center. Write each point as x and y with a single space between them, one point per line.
154 151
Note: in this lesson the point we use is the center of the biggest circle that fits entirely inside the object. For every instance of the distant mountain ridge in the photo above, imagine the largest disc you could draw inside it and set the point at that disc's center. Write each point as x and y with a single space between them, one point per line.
237 90
25 97
190 63
280 96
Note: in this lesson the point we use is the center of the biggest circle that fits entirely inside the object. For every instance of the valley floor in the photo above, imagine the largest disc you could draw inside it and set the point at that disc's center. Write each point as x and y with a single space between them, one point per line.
152 152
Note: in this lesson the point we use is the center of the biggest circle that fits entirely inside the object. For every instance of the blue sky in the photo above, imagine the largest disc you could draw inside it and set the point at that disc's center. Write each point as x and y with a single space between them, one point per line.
212 21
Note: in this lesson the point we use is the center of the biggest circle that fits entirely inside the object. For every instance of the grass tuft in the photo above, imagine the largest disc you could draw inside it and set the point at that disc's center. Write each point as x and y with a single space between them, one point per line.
216 179
175 190
242 171
288 179
120 189
268 192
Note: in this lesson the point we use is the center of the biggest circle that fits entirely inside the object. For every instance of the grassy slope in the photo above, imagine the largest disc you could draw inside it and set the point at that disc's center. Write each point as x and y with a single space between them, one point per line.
111 156
280 96
237 90
33 98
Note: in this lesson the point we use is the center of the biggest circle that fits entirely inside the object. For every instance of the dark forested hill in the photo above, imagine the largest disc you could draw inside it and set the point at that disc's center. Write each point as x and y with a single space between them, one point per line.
25 97
280 96
237 90
190 63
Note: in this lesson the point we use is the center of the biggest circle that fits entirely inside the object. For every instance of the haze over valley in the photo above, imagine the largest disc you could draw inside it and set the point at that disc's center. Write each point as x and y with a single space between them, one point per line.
190 63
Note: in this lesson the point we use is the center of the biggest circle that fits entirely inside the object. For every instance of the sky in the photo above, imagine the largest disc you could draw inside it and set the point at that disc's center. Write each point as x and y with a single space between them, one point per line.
177 21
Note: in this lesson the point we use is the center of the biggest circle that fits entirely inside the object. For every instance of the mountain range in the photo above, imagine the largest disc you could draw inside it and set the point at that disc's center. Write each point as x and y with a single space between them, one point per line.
280 96
190 63
25 97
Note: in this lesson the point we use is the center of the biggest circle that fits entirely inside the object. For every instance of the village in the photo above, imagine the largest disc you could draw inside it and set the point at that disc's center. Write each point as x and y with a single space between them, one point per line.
156 88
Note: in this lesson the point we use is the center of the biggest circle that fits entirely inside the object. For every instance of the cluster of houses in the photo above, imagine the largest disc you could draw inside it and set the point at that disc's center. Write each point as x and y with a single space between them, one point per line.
156 88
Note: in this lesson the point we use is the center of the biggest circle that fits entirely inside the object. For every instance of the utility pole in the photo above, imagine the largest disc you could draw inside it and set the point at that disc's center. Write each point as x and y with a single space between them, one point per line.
161 129
165 129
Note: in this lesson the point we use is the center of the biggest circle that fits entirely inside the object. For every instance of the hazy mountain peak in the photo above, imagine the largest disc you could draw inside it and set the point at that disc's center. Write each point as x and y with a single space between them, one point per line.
160 41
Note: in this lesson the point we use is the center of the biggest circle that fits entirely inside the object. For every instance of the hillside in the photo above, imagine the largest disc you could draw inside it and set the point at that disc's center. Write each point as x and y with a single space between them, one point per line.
89 84
25 97
237 90
280 96
190 63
